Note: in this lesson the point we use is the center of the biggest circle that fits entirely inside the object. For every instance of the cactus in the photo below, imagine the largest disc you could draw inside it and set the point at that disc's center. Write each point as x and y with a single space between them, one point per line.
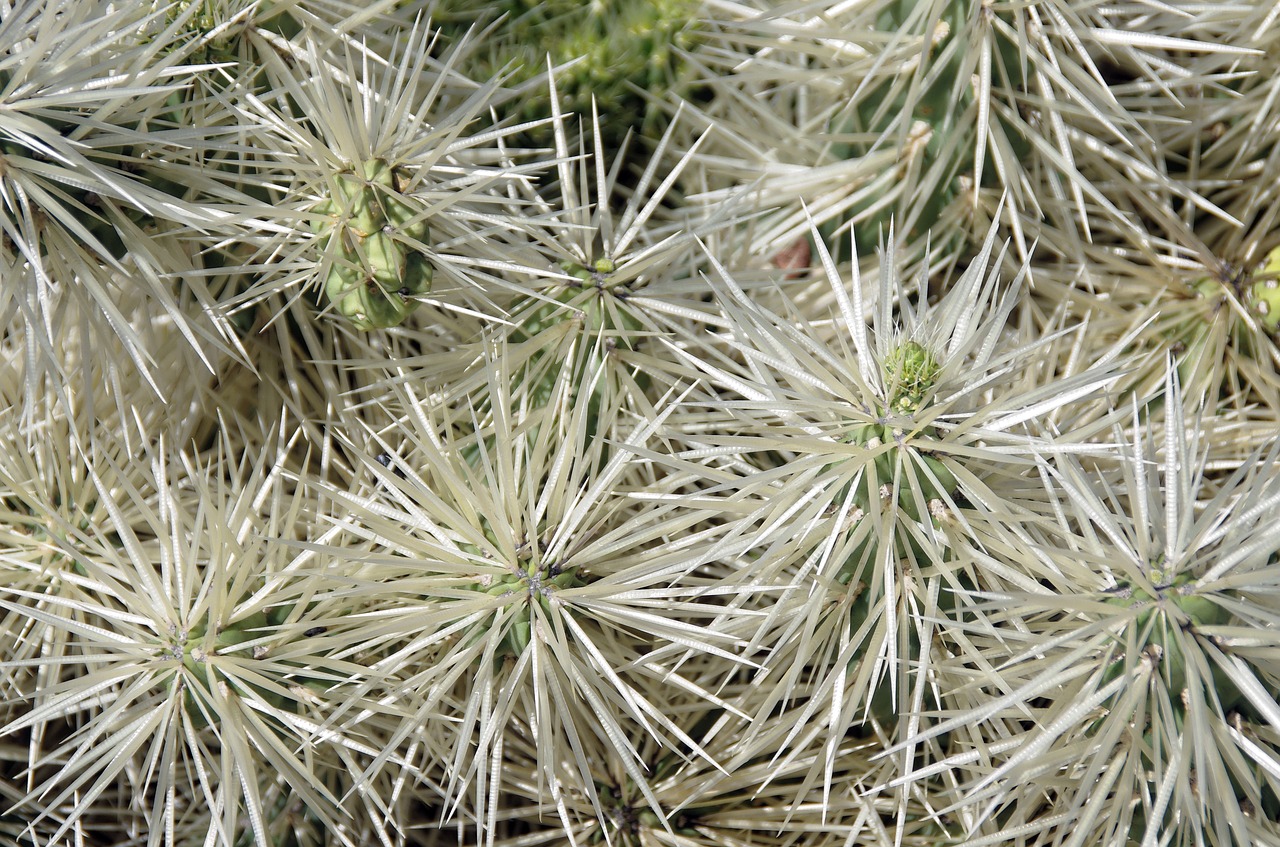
528 585
194 647
626 55
391 455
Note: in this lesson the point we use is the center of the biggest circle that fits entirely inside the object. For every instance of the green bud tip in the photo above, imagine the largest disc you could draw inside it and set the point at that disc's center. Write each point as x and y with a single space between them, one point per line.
911 372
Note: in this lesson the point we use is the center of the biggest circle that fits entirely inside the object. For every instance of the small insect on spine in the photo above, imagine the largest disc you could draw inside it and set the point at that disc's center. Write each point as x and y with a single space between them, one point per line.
384 459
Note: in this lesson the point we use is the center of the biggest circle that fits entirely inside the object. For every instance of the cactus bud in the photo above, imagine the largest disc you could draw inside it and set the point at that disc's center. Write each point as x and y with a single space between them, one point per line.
911 372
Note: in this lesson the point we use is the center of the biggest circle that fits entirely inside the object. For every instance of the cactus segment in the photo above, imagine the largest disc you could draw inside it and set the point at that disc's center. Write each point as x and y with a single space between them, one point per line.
910 373
599 302
936 119
196 645
377 269
1175 606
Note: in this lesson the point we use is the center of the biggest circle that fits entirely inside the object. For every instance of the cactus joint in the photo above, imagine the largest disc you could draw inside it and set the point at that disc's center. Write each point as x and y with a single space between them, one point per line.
377 268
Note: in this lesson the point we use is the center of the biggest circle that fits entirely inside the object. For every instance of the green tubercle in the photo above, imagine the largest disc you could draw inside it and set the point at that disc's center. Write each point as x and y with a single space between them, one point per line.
195 646
874 437
377 270
1264 293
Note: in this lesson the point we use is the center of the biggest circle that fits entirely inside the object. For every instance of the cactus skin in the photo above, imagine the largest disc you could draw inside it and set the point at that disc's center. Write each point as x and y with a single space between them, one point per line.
376 272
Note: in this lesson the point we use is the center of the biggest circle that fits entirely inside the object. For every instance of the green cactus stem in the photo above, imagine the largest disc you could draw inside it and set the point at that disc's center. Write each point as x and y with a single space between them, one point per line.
936 118
196 645
874 437
910 373
599 301
595 309
373 233
1174 606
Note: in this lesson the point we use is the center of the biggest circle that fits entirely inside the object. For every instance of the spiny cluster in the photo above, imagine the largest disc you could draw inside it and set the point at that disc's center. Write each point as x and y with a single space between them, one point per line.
834 424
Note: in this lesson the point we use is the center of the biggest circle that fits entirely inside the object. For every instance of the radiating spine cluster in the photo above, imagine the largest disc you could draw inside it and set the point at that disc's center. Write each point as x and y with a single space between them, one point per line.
693 423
